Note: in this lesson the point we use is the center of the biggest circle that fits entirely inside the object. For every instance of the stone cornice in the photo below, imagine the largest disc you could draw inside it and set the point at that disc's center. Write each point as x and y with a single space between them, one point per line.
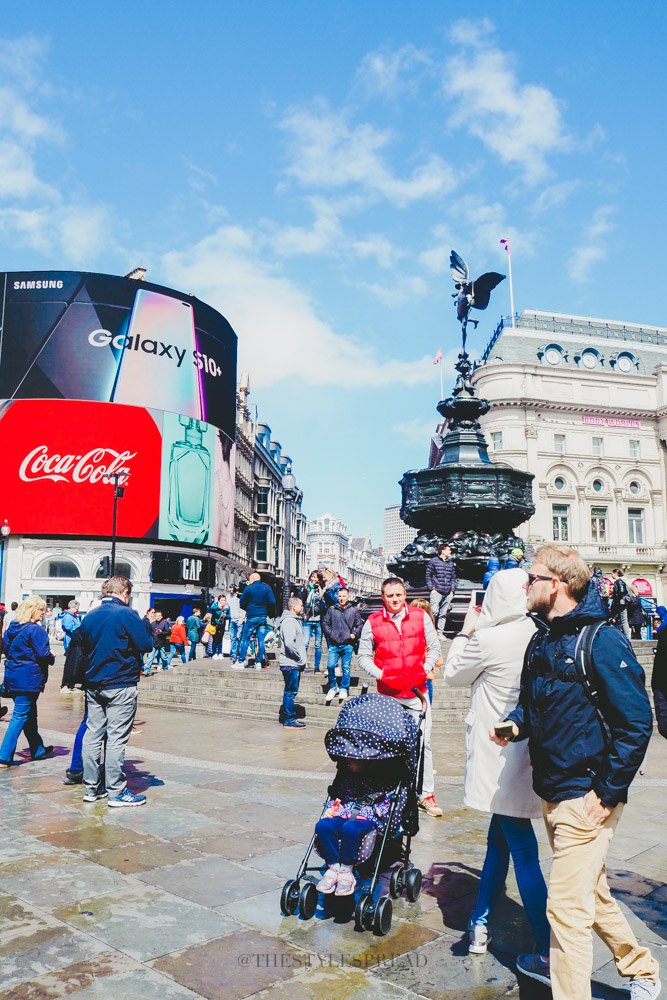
524 403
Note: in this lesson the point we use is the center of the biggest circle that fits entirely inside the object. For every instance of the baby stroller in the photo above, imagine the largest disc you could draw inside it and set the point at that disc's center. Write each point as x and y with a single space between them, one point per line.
373 727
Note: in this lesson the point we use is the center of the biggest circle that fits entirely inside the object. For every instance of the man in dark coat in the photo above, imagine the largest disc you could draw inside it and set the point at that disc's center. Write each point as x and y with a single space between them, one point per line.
342 625
586 743
441 582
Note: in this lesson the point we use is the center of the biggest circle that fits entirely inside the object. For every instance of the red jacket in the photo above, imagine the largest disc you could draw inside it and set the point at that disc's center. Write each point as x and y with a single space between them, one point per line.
178 635
400 655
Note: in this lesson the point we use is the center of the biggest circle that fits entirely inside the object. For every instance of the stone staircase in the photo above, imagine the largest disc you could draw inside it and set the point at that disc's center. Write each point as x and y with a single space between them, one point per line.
212 687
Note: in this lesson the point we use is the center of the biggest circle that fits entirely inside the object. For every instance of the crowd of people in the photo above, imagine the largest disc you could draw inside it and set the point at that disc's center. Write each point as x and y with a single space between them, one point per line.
559 721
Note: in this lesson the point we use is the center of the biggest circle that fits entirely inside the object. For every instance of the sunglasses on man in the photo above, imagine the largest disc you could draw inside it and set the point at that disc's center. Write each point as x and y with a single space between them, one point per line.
532 577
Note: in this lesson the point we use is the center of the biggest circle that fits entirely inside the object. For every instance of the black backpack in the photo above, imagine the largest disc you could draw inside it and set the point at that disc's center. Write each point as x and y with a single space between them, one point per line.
583 662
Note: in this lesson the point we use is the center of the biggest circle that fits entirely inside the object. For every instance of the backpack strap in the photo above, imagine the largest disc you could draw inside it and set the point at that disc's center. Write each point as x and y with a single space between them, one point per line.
583 661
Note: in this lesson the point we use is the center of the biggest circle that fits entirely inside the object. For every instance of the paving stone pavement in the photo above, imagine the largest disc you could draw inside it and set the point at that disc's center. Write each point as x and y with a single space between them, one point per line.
181 897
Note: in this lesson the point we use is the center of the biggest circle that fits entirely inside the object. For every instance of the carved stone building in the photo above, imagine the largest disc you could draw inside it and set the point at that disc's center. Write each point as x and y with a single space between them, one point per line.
582 404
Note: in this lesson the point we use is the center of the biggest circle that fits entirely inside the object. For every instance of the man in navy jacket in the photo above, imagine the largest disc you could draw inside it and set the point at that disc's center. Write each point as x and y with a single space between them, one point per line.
441 583
584 751
259 603
114 639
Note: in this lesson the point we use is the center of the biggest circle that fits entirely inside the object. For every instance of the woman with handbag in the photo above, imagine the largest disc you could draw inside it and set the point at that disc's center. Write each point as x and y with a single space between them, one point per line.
28 657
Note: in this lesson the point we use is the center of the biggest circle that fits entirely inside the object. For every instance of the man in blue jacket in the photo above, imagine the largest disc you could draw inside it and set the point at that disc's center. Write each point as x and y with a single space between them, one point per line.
114 638
586 744
69 622
259 603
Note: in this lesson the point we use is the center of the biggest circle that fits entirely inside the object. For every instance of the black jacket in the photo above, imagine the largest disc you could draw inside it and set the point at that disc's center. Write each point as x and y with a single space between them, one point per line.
441 575
566 742
338 623
659 683
620 596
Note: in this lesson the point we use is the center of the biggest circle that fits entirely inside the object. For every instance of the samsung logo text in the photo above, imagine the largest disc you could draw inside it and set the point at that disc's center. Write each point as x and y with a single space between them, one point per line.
50 283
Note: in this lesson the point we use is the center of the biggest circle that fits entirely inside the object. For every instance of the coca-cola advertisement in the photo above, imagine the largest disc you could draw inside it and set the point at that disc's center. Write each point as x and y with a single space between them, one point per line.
74 335
55 455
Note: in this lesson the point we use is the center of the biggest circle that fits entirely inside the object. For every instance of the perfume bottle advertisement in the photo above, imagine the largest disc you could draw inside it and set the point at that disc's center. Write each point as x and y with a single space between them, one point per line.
186 490
223 493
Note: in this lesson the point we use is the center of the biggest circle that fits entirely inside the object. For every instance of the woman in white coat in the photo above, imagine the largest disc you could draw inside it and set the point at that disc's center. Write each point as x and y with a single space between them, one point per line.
488 654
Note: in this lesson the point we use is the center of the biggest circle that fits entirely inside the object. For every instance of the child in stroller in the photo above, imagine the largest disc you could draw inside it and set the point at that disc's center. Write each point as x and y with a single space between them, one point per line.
359 802
369 816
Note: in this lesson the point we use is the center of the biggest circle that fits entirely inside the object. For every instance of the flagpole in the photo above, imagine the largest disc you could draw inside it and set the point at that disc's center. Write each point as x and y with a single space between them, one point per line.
509 264
442 395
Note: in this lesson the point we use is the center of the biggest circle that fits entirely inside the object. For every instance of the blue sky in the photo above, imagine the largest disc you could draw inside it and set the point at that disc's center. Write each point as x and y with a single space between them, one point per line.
306 168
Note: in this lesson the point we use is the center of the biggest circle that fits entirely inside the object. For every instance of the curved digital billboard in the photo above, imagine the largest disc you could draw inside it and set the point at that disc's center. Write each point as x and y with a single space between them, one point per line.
73 335
97 374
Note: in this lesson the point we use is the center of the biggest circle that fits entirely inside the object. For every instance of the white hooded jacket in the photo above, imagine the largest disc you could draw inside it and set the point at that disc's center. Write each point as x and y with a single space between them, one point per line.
497 779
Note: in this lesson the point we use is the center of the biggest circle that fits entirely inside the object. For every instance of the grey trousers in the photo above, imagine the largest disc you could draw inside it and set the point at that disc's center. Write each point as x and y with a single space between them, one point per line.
111 712
439 607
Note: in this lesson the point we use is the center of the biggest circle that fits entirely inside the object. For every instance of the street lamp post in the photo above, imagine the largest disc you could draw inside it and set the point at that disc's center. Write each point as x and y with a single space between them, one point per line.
118 494
4 535
291 495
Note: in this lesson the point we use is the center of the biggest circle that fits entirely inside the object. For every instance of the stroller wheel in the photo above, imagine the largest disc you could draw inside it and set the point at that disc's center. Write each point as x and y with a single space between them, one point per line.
307 901
396 882
289 897
363 912
382 916
413 885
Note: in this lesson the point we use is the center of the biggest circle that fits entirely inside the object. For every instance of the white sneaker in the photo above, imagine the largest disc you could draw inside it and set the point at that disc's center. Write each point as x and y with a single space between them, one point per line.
645 989
331 694
478 939
235 666
258 666
342 694
242 664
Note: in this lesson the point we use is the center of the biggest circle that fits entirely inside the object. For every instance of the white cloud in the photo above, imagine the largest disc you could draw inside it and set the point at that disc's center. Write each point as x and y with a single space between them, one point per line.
280 334
392 73
417 431
594 245
554 195
475 233
323 236
379 247
521 123
33 212
327 152
403 290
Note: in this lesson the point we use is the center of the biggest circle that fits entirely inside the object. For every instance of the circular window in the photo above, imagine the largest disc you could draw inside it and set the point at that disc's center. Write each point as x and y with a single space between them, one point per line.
559 483
597 485
553 356
589 359
625 362
634 486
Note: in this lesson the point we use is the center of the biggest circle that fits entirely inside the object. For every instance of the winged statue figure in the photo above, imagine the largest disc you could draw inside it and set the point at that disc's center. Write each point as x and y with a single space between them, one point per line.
470 294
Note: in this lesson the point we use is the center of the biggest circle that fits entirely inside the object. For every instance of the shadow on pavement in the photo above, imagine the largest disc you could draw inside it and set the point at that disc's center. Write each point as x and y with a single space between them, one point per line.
139 780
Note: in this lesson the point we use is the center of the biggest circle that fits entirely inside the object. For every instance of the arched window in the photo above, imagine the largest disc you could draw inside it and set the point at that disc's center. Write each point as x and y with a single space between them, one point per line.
58 567
122 569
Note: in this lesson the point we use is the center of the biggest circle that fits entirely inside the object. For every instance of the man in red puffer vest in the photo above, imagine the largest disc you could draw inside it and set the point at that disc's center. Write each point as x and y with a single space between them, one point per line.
399 646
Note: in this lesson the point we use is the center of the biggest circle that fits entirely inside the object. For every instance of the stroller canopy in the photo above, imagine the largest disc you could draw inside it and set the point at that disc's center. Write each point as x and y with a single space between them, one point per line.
373 727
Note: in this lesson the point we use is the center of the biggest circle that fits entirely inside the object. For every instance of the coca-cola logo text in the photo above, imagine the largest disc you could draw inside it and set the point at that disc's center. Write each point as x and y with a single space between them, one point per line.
88 468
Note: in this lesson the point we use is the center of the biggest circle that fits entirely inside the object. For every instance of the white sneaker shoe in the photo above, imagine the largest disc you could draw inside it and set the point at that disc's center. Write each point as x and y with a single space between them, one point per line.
236 666
258 666
478 939
242 664
331 694
645 989
342 694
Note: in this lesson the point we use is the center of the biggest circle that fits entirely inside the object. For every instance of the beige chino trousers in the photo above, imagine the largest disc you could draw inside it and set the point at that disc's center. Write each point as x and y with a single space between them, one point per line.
579 899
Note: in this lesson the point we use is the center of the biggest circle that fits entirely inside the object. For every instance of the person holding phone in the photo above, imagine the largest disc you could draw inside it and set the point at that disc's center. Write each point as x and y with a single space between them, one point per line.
488 654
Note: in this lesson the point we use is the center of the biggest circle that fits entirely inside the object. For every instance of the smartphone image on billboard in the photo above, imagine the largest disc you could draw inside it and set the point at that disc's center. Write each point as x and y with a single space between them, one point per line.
156 362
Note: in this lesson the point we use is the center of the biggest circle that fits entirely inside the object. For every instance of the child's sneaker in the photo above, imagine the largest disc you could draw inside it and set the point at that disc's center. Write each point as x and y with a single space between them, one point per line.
328 881
346 882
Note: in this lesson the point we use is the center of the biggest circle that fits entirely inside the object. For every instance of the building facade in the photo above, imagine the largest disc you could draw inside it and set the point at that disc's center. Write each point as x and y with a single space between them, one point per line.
397 534
582 403
354 559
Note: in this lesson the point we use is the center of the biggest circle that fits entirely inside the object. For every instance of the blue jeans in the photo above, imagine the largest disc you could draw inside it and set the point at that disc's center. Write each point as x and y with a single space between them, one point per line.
23 720
250 626
193 650
314 630
345 653
158 654
76 763
429 688
235 629
340 838
217 644
508 835
175 647
291 678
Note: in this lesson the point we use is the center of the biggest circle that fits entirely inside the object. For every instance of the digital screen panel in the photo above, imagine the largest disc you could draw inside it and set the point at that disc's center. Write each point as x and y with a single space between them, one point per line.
74 335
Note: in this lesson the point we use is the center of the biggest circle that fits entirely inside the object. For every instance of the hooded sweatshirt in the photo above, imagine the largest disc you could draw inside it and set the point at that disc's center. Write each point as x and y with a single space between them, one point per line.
497 779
